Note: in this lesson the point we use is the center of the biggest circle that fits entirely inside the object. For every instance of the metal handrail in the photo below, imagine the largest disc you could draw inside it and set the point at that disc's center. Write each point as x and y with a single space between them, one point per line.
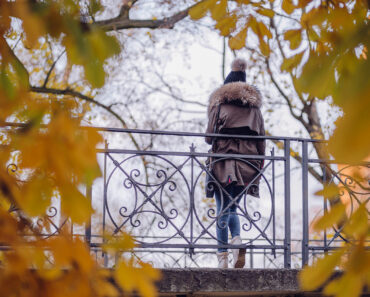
192 169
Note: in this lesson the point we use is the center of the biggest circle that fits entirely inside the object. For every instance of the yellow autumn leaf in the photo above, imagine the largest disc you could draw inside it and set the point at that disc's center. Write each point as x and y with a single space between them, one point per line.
347 285
359 224
238 41
313 35
359 258
266 12
8 230
32 25
303 3
219 10
264 47
226 25
294 37
312 277
75 205
200 10
288 6
290 63
330 191
352 93
103 286
334 216
36 196
122 242
131 278
317 77
263 30
68 252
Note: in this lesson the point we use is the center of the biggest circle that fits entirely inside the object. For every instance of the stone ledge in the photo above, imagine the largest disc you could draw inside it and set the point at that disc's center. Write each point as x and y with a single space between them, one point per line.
228 280
231 282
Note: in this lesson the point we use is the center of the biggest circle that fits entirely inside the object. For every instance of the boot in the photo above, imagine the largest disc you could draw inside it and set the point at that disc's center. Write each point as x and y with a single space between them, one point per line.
238 254
222 259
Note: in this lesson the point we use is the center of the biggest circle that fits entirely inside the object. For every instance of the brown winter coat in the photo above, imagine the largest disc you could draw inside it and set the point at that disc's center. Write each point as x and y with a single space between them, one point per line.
239 114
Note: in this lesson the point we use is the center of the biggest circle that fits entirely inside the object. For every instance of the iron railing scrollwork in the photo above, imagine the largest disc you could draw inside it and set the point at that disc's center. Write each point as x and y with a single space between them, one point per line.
158 196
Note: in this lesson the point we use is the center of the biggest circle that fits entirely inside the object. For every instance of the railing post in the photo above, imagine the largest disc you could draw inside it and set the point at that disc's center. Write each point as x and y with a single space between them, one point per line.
88 223
305 203
105 256
287 238
191 250
273 203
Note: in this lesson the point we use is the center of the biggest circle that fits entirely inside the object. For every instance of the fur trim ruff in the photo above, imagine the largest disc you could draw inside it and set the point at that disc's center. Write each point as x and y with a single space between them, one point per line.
238 93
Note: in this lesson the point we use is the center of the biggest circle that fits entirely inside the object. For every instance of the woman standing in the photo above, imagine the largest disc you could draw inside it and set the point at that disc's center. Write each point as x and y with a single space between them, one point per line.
234 108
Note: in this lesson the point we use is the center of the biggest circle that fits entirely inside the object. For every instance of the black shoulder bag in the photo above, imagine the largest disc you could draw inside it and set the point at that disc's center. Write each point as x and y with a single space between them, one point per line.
210 181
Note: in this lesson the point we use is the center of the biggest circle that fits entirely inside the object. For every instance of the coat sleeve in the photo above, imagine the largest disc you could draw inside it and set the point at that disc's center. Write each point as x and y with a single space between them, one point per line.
211 124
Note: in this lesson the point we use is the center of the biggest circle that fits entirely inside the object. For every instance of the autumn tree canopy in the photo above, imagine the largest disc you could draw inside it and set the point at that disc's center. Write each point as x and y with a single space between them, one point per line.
323 49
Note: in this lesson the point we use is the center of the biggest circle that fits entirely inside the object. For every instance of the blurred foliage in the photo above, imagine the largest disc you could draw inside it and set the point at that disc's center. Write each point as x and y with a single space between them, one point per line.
50 157
329 47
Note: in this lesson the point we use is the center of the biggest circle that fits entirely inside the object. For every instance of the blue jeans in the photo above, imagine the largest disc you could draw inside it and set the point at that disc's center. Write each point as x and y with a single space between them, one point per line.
228 219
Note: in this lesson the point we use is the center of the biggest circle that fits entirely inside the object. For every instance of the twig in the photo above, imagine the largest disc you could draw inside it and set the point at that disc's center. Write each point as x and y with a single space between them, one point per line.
51 69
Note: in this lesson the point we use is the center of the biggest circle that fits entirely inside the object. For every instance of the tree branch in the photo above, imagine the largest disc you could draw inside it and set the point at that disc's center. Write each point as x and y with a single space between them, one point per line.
286 98
123 21
272 24
125 9
171 92
74 93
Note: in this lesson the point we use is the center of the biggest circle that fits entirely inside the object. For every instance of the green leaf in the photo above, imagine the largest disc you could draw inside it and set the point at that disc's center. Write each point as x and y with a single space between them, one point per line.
102 45
7 86
94 72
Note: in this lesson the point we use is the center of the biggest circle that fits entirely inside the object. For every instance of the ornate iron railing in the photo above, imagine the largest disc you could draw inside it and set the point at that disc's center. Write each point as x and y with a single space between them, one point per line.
158 196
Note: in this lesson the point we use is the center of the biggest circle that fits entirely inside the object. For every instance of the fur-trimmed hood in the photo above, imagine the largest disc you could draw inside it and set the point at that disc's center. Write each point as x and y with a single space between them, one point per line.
236 92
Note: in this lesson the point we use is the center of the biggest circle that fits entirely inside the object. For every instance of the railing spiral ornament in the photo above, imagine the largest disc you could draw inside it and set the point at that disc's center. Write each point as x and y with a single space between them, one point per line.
51 218
148 198
352 191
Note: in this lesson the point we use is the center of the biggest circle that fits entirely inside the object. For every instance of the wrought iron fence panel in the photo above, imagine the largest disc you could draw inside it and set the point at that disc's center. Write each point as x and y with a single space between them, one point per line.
163 198
158 196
